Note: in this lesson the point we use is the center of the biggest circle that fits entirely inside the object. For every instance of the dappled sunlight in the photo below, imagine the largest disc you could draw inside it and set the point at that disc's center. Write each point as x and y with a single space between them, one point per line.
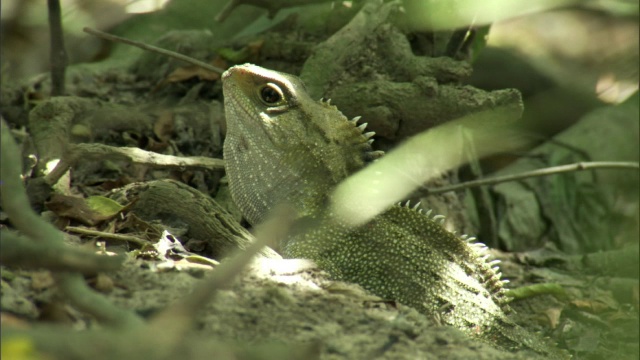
285 271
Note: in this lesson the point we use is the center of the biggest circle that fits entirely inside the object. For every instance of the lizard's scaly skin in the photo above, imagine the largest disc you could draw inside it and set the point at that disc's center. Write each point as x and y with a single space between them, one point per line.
284 147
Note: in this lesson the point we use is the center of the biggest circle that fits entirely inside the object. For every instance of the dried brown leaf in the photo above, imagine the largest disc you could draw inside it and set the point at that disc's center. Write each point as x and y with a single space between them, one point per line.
164 126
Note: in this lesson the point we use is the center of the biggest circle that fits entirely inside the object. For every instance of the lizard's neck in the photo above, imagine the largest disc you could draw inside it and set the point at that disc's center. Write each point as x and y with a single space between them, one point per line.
261 178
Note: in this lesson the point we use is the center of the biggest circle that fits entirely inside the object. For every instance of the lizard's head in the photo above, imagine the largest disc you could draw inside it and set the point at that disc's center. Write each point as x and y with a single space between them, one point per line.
290 142
274 111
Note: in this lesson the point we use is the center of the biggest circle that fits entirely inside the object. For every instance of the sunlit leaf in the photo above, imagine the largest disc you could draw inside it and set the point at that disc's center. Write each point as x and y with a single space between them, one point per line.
103 205
422 158
428 15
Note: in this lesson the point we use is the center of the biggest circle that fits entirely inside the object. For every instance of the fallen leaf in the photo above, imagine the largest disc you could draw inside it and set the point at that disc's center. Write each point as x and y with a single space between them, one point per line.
553 315
592 306
164 126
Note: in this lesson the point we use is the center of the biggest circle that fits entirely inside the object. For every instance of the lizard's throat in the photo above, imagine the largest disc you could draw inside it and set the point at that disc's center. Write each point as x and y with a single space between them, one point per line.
261 178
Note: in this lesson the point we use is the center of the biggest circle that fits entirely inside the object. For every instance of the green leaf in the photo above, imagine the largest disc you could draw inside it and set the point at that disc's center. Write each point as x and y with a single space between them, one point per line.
103 205
537 289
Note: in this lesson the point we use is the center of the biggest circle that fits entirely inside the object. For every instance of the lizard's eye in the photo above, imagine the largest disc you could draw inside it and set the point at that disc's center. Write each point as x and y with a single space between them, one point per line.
271 94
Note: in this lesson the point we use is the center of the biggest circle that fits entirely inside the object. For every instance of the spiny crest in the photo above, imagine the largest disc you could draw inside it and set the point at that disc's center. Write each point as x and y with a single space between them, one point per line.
492 277
440 219
415 207
369 153
490 271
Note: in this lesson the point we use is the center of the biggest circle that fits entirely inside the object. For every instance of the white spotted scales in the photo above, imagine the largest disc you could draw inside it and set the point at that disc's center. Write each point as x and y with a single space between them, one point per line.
284 147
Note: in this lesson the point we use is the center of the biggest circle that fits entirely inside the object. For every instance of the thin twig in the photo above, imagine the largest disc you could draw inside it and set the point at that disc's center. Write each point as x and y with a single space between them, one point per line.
152 48
57 51
109 236
100 152
536 173
142 157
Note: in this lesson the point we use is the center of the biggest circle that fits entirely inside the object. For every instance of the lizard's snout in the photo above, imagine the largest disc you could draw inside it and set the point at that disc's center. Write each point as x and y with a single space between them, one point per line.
244 69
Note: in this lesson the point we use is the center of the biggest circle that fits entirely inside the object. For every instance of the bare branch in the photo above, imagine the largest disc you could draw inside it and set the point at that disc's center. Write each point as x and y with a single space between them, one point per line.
99 152
536 173
152 48
142 157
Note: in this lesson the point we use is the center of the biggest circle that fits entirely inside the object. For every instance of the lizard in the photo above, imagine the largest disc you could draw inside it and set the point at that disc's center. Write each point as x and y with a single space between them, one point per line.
282 146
